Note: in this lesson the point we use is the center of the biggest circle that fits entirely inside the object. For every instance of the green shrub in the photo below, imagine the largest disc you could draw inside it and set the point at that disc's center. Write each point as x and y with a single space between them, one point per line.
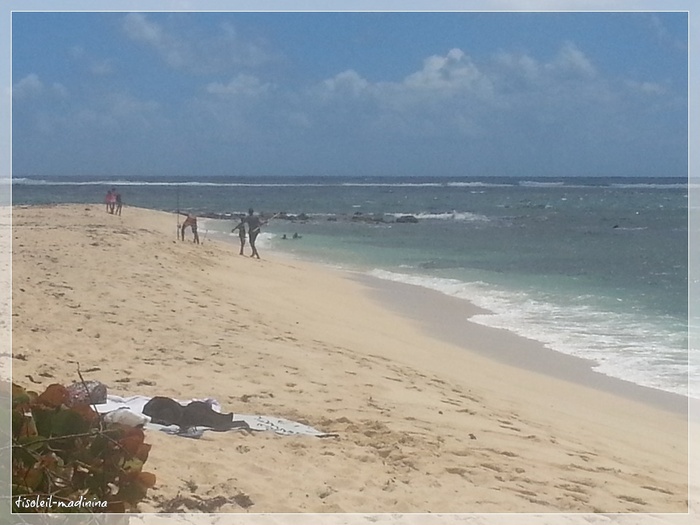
65 459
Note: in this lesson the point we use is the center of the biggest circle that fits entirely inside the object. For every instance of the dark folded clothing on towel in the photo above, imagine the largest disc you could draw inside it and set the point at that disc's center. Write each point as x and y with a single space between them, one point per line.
166 411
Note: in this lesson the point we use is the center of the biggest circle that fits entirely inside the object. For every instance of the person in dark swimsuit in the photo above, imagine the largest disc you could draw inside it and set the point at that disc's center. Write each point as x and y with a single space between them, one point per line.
254 225
118 200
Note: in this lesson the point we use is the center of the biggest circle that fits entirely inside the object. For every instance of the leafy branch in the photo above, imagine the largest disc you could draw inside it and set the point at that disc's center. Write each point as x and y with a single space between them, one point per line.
69 454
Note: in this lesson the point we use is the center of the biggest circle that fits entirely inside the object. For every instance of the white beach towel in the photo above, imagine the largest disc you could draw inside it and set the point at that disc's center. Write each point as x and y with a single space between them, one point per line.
135 404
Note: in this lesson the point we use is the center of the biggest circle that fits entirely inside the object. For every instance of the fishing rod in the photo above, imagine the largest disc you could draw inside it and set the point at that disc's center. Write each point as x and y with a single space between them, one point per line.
177 232
263 223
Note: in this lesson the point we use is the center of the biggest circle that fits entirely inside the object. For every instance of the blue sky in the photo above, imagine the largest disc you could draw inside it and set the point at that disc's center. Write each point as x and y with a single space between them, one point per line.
446 94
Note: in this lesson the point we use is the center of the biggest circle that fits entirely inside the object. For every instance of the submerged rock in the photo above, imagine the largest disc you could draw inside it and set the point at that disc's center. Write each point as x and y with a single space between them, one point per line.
358 216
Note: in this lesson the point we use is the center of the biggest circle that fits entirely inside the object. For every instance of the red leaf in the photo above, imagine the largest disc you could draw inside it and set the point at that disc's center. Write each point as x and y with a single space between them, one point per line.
131 444
143 451
86 411
54 396
147 479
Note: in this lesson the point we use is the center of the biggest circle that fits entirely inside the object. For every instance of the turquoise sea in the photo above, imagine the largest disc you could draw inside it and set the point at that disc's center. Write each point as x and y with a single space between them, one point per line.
596 268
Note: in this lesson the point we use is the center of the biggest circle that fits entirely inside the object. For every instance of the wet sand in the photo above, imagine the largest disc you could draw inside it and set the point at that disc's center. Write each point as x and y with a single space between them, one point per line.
448 319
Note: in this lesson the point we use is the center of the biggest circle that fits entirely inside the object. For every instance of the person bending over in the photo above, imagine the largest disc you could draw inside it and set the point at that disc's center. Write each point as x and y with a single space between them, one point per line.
190 221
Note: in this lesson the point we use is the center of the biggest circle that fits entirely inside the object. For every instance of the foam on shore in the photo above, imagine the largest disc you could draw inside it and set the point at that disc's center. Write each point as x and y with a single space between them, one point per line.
449 319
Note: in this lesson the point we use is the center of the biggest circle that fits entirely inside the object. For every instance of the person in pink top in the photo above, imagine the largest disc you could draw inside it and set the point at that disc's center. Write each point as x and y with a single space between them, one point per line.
111 200
109 206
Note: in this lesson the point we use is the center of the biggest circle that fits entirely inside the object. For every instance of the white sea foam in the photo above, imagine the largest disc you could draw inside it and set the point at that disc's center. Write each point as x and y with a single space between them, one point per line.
118 182
392 184
624 346
477 185
445 216
262 184
649 186
540 184
561 183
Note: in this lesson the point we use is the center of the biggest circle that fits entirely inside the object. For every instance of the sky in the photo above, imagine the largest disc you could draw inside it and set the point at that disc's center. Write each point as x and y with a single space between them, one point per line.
470 94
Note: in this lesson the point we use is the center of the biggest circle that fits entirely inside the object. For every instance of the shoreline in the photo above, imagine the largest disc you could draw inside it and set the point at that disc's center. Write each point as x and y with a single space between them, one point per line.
447 318
518 350
422 425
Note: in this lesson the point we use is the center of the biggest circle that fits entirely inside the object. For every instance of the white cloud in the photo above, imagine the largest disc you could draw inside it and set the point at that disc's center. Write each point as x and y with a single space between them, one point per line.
243 85
203 53
299 119
138 28
77 52
455 95
102 67
664 36
519 71
346 83
32 86
648 88
59 89
124 105
452 73
443 96
115 112
451 101
572 60
96 66
441 78
29 86
519 64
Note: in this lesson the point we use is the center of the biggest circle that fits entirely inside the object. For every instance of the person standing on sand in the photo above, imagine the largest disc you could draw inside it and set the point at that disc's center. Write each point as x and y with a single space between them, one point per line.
241 233
254 225
118 201
108 202
190 221
112 195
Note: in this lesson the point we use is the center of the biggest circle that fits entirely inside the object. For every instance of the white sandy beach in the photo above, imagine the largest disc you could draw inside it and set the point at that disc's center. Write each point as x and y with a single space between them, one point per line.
423 424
